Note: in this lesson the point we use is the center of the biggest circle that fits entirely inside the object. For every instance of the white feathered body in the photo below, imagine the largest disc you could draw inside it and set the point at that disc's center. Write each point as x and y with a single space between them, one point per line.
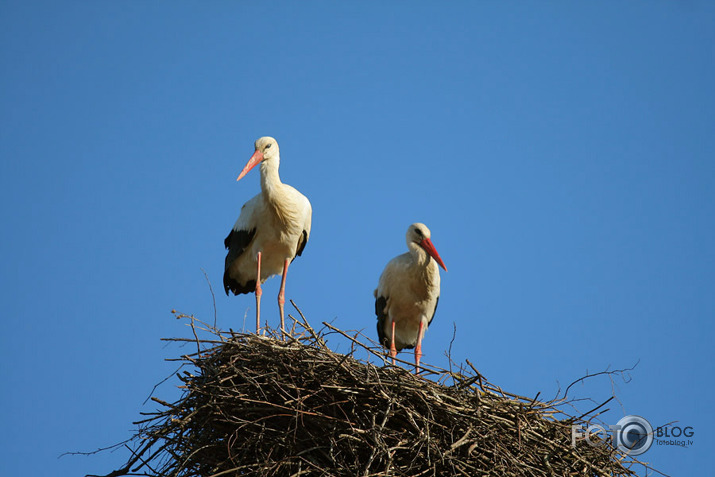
279 227
275 222
409 285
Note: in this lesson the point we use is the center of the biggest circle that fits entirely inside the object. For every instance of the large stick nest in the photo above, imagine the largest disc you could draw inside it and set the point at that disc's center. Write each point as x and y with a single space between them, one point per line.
257 405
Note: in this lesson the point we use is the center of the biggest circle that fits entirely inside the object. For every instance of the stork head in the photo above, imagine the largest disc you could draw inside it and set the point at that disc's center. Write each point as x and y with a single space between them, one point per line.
419 235
266 149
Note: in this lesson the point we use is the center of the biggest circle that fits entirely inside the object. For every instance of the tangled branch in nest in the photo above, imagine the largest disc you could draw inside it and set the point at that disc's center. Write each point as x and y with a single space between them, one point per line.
257 405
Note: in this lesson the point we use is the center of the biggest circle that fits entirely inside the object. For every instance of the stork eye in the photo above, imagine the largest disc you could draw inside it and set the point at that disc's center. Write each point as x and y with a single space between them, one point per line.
268 145
418 232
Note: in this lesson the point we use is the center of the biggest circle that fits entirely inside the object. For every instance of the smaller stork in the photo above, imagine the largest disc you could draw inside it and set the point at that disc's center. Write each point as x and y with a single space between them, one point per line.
407 294
272 229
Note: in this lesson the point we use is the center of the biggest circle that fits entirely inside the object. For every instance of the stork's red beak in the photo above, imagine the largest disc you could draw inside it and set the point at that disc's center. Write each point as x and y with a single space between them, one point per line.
255 159
429 248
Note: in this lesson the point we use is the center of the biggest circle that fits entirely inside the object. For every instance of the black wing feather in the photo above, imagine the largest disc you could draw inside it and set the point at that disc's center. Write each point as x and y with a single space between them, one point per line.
301 244
380 303
237 242
433 313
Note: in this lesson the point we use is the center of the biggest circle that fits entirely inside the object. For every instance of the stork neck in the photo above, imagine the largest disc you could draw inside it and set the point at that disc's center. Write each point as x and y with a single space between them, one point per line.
270 180
420 258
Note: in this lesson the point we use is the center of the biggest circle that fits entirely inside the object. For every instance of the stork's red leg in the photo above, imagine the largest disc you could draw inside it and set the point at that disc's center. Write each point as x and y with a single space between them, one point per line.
418 348
258 294
282 296
393 350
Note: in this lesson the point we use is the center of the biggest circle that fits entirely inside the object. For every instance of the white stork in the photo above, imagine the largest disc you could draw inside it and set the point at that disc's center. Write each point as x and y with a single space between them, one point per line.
407 294
270 232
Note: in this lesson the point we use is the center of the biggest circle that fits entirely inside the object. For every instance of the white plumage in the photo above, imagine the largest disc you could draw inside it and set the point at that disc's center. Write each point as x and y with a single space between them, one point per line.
408 292
275 223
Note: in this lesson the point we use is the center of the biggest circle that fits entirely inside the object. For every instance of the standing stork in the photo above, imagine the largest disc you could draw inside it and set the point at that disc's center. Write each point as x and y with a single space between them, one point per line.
270 232
407 294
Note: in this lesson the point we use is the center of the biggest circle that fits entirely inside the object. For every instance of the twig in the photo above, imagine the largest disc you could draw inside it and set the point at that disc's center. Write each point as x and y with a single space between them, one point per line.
600 373
334 414
213 296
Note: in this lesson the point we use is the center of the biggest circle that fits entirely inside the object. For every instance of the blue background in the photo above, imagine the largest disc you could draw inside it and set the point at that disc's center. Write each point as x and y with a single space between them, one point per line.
562 153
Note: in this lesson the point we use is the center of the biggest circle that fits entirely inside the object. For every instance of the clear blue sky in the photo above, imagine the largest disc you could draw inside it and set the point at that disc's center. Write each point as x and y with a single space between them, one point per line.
562 153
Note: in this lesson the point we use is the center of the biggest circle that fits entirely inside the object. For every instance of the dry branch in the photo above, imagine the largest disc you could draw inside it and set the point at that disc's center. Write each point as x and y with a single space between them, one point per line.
255 405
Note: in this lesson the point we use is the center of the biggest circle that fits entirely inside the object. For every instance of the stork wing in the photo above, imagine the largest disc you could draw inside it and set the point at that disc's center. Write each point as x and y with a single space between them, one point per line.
301 244
307 213
238 240
380 304
433 312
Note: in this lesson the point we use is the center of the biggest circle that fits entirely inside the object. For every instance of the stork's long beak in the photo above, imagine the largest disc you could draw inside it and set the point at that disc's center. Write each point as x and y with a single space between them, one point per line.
429 248
255 159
